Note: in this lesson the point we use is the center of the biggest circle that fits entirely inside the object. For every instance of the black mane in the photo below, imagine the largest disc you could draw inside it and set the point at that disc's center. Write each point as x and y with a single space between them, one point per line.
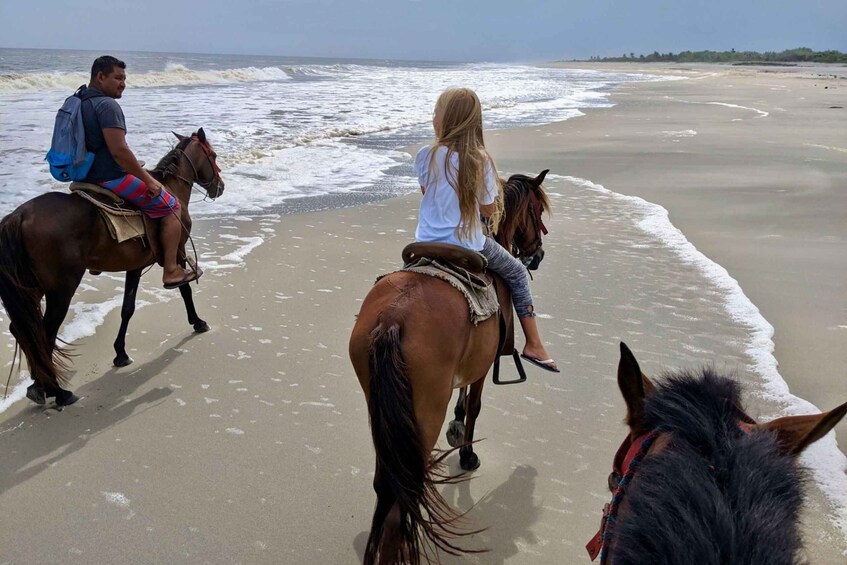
168 164
715 495
516 194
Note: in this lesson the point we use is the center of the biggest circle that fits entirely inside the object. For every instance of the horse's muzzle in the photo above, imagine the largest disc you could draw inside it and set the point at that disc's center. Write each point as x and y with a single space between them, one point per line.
533 261
218 190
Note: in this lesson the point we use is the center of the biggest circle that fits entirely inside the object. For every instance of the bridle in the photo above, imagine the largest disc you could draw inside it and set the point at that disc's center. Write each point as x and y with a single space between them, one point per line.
627 459
537 221
212 158
624 466
531 258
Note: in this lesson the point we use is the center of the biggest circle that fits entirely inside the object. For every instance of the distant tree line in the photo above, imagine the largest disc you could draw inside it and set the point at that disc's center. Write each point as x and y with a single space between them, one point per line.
799 55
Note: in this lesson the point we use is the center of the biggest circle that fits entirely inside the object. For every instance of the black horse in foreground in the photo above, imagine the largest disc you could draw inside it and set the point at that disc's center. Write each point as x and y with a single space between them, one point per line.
699 481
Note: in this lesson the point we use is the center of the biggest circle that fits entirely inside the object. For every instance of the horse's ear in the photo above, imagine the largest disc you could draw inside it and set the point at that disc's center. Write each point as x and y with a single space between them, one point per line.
635 386
201 135
179 137
796 433
540 178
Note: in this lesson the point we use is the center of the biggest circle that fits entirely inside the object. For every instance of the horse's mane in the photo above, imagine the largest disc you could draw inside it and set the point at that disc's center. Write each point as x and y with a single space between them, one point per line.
168 164
516 203
714 495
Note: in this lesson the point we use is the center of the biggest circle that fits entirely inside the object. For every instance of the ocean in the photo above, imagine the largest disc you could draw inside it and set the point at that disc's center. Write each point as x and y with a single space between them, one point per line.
283 127
296 134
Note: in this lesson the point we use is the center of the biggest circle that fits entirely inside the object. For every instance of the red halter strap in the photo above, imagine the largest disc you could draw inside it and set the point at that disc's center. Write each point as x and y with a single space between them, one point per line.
537 211
208 151
629 450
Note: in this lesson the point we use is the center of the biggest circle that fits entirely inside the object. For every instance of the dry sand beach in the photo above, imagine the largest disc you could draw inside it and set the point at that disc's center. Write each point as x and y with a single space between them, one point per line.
250 443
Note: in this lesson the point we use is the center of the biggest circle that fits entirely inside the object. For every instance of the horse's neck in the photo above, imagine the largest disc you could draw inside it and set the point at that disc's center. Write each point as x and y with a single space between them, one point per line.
747 497
179 188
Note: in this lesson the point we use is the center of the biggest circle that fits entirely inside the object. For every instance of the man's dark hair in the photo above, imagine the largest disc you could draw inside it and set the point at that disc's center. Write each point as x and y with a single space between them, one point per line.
104 65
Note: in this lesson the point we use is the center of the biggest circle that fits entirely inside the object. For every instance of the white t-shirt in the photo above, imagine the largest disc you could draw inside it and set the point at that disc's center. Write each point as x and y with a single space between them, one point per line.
439 214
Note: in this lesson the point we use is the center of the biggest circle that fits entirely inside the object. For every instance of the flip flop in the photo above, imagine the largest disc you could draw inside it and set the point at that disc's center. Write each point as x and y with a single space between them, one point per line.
188 277
546 364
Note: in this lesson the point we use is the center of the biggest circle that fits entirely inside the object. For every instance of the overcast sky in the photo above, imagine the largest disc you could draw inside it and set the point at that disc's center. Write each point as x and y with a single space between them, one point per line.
471 30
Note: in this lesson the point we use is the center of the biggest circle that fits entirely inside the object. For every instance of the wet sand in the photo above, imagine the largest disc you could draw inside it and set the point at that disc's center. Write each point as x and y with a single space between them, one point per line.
250 443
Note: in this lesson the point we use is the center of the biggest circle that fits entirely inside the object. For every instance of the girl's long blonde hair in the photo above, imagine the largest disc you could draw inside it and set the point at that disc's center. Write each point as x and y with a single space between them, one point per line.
459 129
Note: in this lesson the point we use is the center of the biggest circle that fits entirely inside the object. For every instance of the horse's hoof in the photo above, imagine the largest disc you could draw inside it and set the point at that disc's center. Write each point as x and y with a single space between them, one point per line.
122 361
468 460
201 327
65 398
456 433
36 394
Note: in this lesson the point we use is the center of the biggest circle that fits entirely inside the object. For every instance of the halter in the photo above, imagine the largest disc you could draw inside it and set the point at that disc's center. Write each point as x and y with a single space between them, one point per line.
532 259
209 155
628 457
536 209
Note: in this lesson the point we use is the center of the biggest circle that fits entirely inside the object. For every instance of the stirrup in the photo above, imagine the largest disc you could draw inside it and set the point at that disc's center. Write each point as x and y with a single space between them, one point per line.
518 365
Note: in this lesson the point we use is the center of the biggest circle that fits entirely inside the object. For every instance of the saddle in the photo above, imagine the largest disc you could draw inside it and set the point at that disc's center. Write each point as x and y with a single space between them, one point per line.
123 220
475 263
465 259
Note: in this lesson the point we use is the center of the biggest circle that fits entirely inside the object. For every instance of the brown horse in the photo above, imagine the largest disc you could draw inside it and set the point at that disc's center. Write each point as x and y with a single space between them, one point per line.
697 480
412 344
47 244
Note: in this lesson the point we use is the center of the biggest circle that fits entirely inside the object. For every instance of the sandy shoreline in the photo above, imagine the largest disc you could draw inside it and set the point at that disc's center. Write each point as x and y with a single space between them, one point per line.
760 194
250 444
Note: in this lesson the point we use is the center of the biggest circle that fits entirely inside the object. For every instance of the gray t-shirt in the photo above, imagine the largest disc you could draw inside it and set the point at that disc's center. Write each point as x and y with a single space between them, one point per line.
98 112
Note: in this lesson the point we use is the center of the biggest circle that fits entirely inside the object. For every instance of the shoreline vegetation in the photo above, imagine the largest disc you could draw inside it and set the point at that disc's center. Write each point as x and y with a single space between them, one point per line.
788 57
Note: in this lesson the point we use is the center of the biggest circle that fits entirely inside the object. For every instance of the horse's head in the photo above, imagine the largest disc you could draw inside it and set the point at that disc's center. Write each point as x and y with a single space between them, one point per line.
201 157
521 227
692 419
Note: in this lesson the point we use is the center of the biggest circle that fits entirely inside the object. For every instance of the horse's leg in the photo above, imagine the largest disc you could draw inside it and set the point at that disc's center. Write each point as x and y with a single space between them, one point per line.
200 326
456 428
127 310
468 460
35 391
384 537
391 548
58 301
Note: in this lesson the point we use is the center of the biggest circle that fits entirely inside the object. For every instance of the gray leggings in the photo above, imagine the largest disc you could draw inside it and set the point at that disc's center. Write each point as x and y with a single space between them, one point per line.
513 272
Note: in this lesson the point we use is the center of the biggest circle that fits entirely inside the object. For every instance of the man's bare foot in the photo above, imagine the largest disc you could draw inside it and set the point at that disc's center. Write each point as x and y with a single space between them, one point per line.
188 276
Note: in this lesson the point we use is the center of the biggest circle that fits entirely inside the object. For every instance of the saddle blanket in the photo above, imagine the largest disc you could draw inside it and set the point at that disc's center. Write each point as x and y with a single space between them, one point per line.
123 223
480 293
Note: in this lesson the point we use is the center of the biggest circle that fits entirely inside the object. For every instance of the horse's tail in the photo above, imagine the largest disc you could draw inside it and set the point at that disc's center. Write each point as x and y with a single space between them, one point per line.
22 299
426 521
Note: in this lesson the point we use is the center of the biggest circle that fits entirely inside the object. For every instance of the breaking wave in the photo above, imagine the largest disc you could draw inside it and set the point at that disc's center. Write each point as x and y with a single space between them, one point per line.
175 74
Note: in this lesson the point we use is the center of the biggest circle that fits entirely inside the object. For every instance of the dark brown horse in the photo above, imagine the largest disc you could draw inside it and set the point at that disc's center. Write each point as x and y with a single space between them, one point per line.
697 480
412 344
48 243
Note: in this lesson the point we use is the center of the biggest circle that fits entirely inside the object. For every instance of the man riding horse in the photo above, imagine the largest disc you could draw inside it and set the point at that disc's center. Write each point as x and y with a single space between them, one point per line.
116 168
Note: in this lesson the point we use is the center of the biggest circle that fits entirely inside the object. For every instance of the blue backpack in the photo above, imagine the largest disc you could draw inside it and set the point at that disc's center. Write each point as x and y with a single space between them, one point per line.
68 157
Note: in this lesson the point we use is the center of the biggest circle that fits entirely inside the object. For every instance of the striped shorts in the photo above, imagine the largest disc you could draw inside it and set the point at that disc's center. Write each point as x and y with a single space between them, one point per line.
134 190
